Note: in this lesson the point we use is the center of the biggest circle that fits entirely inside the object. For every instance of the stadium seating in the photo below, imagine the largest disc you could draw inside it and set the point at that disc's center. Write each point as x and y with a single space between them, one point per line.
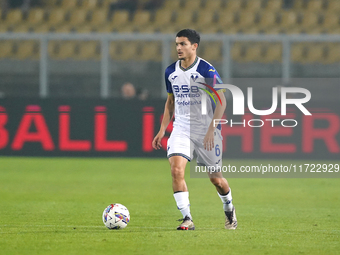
88 51
27 50
90 4
212 5
6 49
207 16
274 5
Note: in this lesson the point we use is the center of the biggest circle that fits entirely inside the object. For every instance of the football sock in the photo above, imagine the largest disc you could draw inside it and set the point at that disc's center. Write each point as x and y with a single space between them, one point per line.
227 201
183 204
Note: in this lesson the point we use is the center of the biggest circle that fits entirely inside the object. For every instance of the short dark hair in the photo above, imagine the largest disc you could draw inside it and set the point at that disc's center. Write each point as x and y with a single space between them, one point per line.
192 35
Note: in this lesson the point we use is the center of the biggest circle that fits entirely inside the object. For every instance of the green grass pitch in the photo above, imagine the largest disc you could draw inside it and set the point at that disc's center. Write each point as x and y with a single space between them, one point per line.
54 206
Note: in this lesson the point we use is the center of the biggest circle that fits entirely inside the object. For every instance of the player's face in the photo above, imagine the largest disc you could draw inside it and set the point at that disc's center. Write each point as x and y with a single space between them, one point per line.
184 48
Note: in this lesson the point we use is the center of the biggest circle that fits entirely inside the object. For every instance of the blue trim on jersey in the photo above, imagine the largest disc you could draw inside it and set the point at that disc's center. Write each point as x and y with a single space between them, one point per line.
171 68
180 154
208 72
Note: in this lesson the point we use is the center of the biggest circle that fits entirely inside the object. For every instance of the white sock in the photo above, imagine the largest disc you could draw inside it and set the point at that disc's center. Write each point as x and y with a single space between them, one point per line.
183 204
227 201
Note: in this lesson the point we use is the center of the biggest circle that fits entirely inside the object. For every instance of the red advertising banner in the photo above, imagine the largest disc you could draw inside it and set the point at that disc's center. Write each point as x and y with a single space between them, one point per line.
124 128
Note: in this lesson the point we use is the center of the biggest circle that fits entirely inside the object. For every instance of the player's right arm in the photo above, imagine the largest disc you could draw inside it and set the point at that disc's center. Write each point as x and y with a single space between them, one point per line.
167 116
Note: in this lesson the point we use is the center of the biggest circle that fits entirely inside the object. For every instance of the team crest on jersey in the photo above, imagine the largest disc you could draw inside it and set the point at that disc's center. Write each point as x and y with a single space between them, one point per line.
194 77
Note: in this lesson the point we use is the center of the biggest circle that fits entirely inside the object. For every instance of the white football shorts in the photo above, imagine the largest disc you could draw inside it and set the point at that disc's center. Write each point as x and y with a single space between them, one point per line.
182 144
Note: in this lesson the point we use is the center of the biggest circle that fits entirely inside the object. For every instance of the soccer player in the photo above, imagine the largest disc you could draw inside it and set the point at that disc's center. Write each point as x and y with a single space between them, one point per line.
186 81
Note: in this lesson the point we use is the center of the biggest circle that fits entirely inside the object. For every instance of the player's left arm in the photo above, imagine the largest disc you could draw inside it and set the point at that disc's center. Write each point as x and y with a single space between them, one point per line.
208 141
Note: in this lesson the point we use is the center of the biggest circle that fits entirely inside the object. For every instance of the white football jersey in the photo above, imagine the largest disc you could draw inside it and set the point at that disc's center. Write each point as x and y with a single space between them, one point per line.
188 86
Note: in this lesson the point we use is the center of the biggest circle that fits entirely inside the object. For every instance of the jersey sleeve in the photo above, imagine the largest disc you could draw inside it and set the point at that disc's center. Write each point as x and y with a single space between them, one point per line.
212 77
168 84
168 72
209 73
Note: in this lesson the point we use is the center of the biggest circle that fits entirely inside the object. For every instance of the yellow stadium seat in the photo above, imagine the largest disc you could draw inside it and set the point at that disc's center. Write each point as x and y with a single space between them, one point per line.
298 52
229 30
99 17
36 16
172 4
56 17
254 53
226 19
246 19
69 4
316 53
51 3
208 29
314 5
141 19
330 21
128 51
333 6
163 17
6 49
254 5
86 28
27 50
168 29
213 51
299 4
14 17
114 49
268 19
90 4
316 30
335 31
88 51
288 19
251 30
120 18
273 53
151 51
310 20
213 5
3 28
66 50
184 18
274 5
272 31
52 49
42 28
333 55
205 19
294 30
238 52
22 28
233 5
192 4
65 28
106 3
173 54
78 17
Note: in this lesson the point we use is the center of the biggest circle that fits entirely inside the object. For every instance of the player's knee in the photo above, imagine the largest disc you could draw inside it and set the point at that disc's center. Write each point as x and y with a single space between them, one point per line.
177 172
217 182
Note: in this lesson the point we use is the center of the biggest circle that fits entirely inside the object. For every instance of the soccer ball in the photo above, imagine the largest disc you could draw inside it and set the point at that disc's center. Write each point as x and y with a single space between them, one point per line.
116 216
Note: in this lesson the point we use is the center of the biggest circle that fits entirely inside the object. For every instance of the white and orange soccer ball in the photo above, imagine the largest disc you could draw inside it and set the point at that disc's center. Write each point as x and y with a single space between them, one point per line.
116 216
